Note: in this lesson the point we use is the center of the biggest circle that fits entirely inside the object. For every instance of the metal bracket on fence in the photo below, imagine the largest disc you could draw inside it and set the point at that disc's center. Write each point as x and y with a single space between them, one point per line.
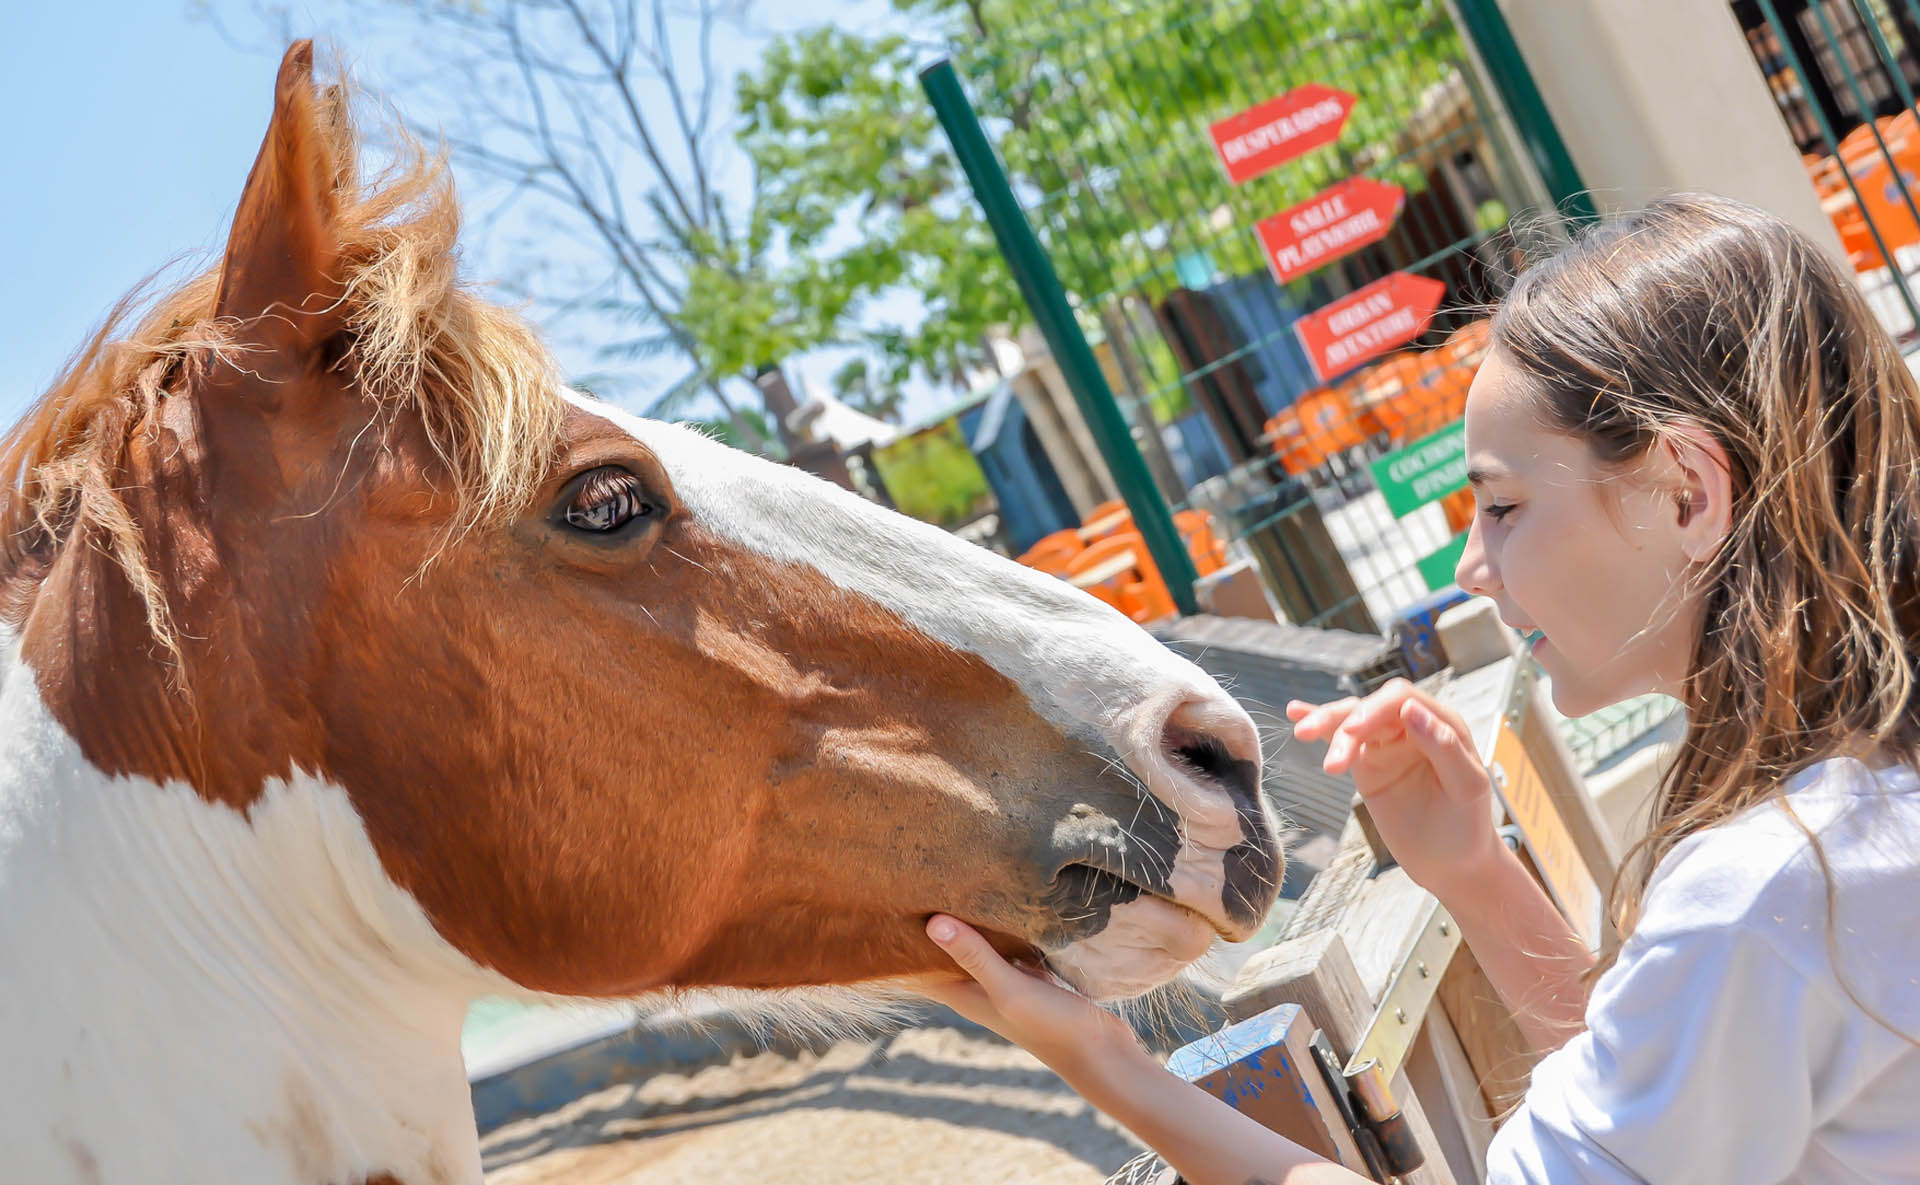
1389 1035
1525 674
1371 1154
1361 1085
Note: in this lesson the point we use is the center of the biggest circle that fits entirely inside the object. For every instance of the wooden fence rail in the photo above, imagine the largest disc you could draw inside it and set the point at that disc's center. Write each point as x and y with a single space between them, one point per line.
1369 1033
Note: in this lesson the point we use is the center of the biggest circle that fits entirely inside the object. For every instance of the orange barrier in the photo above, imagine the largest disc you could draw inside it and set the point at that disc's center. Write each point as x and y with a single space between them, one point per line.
1058 564
1331 425
1289 438
1459 509
1389 392
1119 570
1067 540
1099 526
1403 397
1092 572
1881 202
1147 598
1108 559
1204 544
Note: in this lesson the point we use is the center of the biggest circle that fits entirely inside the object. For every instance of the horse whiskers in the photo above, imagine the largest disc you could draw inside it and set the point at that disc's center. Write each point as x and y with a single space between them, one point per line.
695 563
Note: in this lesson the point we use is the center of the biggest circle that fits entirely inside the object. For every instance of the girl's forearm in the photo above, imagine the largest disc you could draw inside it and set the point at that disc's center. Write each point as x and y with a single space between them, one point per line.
1207 1141
1528 951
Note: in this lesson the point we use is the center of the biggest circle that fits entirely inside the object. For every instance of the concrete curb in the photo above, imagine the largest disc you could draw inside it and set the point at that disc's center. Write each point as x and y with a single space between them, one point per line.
625 1051
598 1056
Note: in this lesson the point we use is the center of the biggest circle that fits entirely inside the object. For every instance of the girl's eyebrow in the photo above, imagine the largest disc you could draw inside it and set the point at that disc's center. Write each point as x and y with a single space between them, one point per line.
1482 474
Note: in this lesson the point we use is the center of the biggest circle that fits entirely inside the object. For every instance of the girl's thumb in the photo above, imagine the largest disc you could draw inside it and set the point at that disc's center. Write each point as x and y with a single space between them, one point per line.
965 946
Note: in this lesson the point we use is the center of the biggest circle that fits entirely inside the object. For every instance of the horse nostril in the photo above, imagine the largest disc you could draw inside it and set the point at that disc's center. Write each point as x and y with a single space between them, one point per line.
1209 759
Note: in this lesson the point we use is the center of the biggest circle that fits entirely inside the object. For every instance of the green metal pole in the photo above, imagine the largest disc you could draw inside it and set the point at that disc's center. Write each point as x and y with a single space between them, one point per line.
1487 28
1832 140
1048 302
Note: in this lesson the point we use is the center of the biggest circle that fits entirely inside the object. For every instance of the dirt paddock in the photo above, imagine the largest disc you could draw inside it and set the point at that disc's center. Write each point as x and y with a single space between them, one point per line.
931 1106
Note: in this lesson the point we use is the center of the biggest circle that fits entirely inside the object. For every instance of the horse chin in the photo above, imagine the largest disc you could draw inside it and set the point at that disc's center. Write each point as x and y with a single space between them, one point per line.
1146 942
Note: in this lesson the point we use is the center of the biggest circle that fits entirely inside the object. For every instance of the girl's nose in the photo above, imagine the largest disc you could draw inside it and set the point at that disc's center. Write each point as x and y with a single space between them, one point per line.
1476 572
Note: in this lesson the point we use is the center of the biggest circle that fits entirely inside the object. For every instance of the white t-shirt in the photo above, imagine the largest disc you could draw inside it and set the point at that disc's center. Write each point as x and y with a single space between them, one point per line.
1721 1047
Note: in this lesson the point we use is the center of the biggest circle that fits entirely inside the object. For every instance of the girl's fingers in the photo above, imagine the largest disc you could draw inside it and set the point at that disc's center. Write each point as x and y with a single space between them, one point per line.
1446 747
1379 716
1339 753
1313 723
962 995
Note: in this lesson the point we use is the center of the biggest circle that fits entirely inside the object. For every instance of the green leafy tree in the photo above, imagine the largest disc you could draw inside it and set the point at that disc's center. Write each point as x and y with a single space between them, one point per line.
859 185
1100 114
859 388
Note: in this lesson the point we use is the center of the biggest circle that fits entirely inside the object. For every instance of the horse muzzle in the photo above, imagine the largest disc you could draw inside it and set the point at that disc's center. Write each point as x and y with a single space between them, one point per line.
1145 880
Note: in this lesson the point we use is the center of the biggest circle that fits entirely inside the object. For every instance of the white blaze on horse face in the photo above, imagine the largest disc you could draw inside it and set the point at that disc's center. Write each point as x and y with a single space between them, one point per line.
188 993
1084 667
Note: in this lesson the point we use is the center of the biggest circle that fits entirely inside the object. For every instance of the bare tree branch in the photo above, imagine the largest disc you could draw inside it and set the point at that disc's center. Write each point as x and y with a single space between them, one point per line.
662 53
622 85
602 112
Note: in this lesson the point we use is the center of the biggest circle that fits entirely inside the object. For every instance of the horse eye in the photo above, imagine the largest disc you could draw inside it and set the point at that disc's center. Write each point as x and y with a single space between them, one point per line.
605 500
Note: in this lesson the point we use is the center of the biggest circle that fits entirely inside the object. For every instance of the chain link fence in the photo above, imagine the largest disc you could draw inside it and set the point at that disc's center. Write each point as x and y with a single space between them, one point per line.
1276 227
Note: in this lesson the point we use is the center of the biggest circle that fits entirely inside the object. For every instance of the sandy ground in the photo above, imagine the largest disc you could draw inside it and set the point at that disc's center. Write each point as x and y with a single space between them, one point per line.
933 1106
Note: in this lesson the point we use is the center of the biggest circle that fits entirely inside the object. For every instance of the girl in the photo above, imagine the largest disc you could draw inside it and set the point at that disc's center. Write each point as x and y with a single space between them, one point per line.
1696 460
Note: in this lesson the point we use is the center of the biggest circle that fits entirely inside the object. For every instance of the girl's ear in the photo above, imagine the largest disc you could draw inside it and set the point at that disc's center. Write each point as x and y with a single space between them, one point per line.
1703 497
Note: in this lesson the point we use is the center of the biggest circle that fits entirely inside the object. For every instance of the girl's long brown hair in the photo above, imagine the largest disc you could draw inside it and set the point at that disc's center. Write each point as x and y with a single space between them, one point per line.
1702 310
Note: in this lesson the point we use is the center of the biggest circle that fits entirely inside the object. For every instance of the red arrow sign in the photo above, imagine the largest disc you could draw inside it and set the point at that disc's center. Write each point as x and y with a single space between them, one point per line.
1268 136
1333 223
1384 314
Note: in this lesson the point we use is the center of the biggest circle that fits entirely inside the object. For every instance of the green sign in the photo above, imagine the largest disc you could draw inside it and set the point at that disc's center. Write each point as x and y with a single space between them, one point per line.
1437 569
1425 471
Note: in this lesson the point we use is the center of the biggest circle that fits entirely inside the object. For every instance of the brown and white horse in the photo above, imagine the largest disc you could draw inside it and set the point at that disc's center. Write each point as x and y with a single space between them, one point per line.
354 668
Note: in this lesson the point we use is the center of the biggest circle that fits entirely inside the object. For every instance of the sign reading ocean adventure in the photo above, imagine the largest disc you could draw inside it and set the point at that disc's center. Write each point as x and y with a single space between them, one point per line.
1366 324
1332 223
1265 137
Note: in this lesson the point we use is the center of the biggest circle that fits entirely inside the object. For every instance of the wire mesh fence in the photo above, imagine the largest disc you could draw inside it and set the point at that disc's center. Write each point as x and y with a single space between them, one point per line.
1277 224
1844 74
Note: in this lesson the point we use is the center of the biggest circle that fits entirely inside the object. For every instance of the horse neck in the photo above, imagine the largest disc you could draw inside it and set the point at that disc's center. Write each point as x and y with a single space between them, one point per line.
194 991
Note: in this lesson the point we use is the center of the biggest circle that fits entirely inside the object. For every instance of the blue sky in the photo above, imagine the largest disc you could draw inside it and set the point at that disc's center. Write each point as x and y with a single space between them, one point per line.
129 130
130 126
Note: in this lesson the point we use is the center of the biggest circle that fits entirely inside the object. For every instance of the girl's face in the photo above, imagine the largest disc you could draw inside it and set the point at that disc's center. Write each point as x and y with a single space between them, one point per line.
1588 557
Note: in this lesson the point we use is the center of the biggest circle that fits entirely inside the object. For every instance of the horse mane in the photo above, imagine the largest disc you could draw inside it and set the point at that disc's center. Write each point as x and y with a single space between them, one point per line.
418 339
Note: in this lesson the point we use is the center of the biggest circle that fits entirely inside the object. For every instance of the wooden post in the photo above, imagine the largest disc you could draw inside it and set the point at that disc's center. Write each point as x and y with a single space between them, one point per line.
1443 1078
1365 939
1497 1053
1316 972
1263 1067
1487 660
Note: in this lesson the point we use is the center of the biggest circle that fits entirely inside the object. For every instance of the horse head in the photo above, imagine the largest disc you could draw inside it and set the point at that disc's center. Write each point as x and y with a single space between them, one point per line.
359 667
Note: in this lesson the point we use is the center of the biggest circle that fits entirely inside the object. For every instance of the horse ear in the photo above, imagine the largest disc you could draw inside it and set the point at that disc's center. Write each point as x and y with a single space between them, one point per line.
280 279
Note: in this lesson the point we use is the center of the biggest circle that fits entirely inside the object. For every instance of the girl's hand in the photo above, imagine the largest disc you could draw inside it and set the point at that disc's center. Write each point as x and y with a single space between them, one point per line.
1418 772
1021 1003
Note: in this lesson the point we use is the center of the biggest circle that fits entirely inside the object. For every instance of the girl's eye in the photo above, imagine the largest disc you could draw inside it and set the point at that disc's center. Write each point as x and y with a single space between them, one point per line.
1499 512
605 500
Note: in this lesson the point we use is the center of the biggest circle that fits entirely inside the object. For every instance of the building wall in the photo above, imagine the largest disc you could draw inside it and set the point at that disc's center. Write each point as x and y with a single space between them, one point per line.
1056 420
1653 96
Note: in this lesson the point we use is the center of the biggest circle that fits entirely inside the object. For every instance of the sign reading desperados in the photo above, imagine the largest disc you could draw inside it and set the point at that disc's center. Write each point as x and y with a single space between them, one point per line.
1264 137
